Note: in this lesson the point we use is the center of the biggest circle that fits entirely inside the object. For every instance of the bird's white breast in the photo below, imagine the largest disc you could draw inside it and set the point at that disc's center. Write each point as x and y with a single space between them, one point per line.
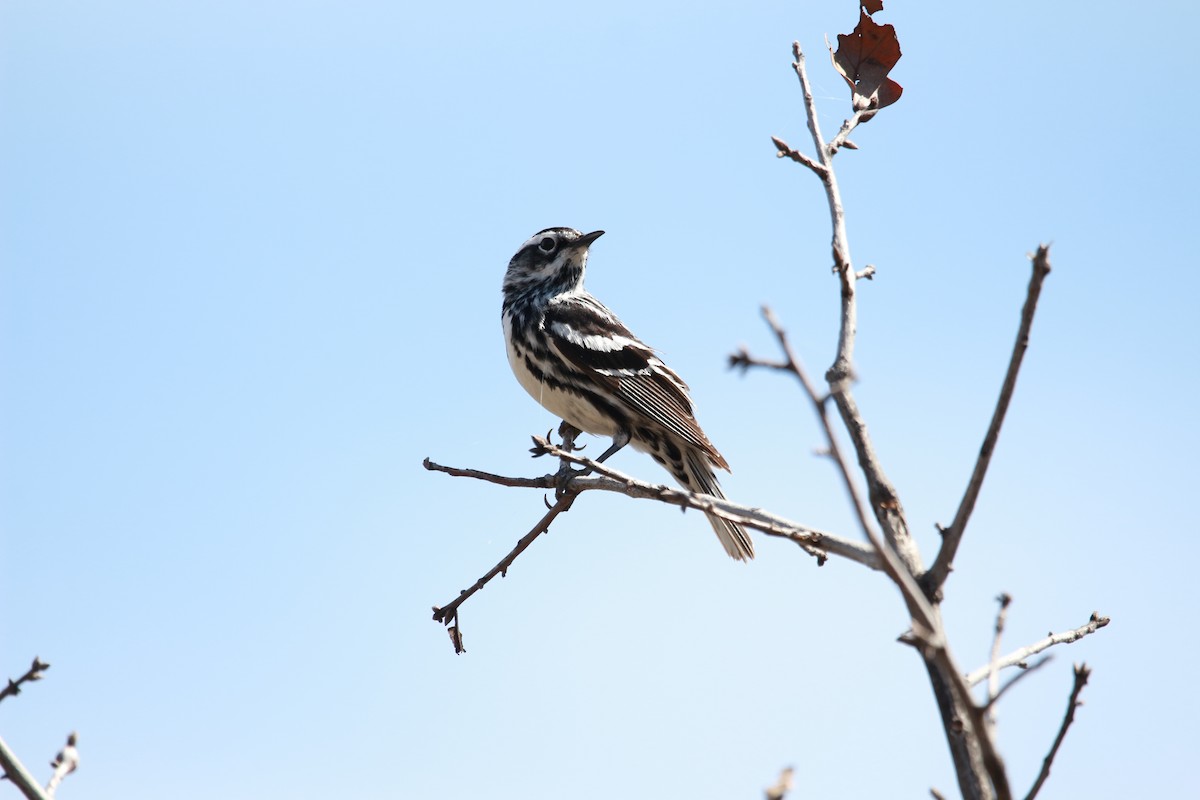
568 406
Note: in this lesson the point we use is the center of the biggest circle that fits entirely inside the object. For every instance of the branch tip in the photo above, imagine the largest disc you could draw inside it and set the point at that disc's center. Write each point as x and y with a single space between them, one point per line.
935 576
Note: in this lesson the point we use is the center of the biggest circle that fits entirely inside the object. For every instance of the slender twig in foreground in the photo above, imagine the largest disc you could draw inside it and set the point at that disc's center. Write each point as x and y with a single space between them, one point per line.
936 576
1081 678
1018 658
993 670
34 673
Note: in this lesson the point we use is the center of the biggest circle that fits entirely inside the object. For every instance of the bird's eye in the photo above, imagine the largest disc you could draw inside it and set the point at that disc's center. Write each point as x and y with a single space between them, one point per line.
547 244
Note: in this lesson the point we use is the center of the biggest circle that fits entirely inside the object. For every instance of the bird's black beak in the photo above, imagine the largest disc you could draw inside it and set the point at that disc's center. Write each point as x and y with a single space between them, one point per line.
588 238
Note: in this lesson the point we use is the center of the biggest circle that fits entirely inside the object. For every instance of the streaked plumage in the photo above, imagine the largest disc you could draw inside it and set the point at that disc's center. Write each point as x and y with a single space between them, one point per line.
584 366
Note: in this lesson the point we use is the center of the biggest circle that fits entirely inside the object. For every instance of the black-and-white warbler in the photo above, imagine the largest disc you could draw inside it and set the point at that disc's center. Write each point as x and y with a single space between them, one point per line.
576 358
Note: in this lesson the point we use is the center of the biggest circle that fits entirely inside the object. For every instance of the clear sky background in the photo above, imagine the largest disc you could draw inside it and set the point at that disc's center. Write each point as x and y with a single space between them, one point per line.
250 261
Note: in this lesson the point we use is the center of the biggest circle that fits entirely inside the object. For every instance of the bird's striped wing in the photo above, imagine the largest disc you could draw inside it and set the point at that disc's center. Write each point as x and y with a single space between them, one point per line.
591 338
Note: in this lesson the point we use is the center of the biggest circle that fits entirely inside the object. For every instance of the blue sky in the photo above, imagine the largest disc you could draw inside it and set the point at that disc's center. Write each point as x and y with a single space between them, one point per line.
250 259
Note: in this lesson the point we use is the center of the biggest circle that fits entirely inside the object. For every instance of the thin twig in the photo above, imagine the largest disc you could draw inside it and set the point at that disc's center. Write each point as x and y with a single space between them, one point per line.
448 614
885 503
1011 682
817 543
923 615
786 151
810 105
549 481
994 671
793 366
1082 673
34 673
751 517
1019 658
837 142
936 576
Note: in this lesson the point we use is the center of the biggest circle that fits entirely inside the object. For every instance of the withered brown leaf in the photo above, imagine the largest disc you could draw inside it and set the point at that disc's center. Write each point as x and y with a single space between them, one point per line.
864 57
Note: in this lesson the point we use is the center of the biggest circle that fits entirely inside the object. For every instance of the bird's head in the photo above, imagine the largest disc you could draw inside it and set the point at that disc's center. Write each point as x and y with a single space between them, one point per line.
551 262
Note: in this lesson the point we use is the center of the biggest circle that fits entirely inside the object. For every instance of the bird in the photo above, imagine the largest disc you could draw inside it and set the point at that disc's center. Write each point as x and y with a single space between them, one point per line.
579 361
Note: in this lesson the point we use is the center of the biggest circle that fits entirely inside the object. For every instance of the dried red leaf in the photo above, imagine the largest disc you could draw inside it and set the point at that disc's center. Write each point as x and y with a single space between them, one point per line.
872 6
864 57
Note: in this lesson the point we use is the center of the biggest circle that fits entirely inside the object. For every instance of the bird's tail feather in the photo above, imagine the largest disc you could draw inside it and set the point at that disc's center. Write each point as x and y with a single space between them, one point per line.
701 478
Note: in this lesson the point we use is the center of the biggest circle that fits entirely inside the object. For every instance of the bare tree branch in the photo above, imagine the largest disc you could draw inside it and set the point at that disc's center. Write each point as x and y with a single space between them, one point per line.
34 673
1011 682
980 770
971 743
1082 673
1018 658
936 576
822 543
810 107
571 484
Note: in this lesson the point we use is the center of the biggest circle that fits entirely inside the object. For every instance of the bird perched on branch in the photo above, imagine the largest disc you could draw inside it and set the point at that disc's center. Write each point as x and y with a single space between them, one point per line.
584 366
